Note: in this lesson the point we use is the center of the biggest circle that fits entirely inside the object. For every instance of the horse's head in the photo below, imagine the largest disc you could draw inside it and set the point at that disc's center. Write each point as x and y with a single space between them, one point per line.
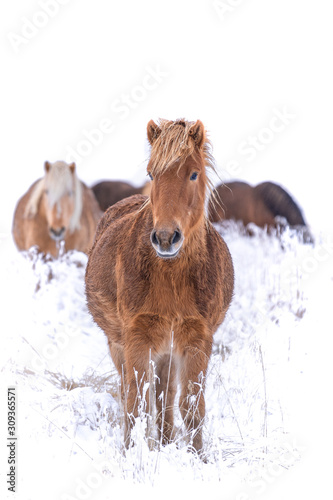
178 189
59 198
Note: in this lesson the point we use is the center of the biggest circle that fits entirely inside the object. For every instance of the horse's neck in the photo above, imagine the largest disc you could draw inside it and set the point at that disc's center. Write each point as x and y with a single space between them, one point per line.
196 246
40 208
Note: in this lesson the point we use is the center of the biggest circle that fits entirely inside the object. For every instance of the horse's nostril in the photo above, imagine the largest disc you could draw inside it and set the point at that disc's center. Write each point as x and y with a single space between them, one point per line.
176 237
154 238
57 233
164 238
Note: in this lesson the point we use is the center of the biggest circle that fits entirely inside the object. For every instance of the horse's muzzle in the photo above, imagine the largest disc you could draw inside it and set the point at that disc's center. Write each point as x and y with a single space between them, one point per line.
57 234
167 243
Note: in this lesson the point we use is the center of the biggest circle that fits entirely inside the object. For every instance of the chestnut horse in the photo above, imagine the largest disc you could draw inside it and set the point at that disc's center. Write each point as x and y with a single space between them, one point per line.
57 207
260 204
159 280
108 193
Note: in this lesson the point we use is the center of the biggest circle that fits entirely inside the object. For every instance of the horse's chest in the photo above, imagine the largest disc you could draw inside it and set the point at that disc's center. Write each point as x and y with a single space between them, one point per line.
173 290
171 295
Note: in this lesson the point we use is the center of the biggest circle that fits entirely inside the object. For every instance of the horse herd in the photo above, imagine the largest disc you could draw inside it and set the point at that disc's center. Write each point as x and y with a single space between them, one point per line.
159 278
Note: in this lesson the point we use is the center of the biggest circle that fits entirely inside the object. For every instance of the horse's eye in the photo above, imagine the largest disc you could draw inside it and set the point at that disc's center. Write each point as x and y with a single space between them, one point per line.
70 193
46 191
194 176
150 176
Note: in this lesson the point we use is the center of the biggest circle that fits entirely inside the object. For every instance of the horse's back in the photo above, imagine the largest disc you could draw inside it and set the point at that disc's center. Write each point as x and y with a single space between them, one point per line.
279 202
259 204
90 205
234 201
108 193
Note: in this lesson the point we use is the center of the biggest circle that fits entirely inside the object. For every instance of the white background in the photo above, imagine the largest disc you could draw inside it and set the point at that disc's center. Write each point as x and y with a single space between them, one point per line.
230 68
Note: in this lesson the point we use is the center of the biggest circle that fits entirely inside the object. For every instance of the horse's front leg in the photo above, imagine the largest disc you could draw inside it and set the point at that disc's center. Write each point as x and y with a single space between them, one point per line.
166 388
196 350
136 368
143 338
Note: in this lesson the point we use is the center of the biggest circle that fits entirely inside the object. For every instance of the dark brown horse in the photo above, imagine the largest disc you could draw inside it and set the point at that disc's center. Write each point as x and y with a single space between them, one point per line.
108 193
261 204
159 280
57 207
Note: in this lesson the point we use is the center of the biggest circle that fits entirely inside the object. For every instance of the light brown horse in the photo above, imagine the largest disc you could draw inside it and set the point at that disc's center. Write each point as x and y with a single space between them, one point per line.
159 280
58 207
262 204
108 193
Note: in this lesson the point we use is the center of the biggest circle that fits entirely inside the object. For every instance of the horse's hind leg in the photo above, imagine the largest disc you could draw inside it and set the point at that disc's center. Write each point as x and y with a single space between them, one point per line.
165 397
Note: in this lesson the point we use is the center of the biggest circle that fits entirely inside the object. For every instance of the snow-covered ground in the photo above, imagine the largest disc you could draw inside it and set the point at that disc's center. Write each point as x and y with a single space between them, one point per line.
268 411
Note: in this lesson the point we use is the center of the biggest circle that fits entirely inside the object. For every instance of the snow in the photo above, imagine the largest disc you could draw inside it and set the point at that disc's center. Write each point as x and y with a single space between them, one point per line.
258 417
269 415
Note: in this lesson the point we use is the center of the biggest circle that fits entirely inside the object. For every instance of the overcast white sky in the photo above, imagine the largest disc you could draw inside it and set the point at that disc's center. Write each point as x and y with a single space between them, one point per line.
258 73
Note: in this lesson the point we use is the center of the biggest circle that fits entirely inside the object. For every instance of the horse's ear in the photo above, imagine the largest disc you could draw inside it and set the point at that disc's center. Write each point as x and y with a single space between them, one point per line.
72 167
47 166
197 131
153 131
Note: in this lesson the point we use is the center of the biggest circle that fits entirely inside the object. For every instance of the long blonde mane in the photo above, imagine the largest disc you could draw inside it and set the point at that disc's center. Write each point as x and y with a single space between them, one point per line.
59 180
